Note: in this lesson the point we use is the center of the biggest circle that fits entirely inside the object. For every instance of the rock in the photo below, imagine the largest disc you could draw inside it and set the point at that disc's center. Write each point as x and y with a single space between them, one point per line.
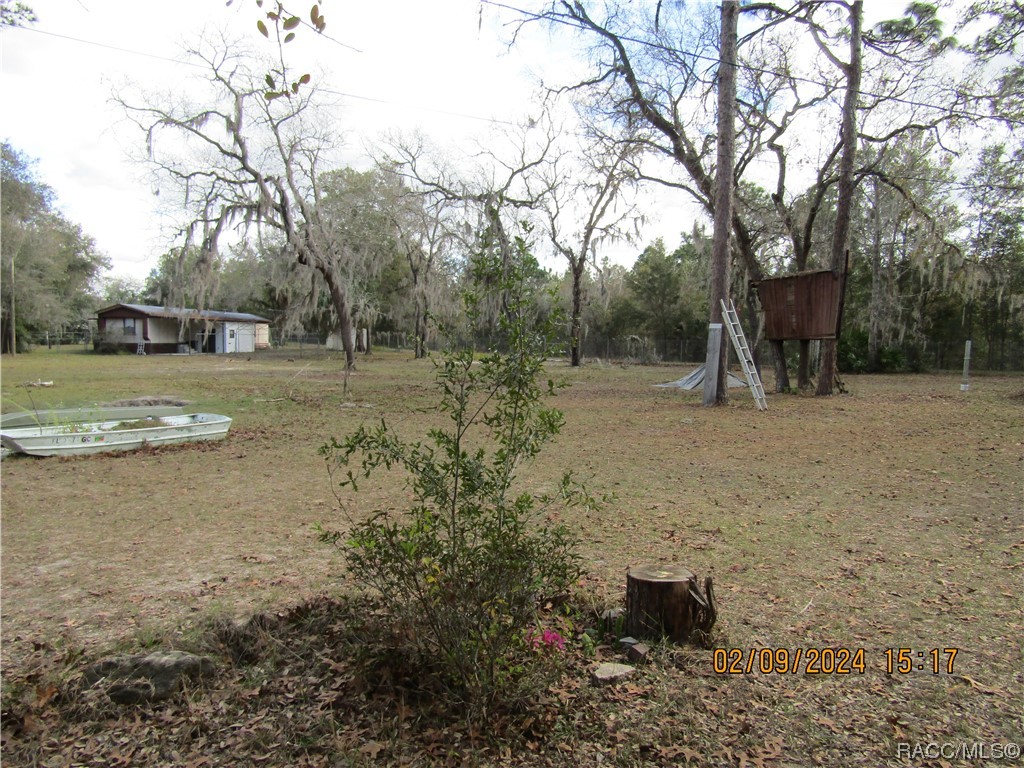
625 642
245 642
609 673
638 653
612 614
147 677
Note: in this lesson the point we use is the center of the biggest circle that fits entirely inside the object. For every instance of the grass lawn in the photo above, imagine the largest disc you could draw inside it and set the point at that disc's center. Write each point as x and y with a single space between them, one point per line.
888 518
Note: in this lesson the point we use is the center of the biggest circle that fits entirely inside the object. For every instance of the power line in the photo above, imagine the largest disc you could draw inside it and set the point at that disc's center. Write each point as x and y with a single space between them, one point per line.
333 92
747 67
948 185
109 47
404 105
462 115
466 116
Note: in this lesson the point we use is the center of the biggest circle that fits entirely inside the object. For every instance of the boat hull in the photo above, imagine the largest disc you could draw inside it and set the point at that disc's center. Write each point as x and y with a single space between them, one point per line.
65 416
104 436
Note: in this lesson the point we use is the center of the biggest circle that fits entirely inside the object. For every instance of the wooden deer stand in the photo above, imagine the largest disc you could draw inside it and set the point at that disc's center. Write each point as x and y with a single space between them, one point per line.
667 601
803 306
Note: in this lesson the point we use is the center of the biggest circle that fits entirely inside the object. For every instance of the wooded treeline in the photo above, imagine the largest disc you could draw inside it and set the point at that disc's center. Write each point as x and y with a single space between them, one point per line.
50 267
272 224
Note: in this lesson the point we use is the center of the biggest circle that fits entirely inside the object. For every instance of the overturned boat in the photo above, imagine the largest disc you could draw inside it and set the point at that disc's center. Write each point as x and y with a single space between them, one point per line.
114 435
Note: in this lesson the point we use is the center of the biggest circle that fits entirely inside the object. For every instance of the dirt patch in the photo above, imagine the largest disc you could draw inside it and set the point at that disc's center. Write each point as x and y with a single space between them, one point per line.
149 400
891 518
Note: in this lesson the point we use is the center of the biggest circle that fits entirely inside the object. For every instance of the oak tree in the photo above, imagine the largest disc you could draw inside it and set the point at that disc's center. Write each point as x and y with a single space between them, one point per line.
238 158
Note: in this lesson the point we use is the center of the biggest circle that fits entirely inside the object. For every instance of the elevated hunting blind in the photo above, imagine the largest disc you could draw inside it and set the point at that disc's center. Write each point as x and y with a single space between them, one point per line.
802 306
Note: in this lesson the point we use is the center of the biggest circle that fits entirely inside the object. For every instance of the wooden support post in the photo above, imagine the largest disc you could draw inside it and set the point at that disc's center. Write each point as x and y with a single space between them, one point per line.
667 601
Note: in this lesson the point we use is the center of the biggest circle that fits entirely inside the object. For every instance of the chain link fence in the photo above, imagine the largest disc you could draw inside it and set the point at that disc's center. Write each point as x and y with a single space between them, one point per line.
646 350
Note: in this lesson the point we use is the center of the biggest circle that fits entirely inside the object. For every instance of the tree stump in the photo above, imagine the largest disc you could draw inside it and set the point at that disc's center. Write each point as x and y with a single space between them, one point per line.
667 601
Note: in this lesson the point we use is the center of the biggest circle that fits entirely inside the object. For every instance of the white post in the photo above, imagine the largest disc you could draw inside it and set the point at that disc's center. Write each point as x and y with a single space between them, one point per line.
712 363
966 384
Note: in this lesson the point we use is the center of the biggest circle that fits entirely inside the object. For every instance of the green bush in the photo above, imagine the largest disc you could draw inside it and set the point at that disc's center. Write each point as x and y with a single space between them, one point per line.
464 570
852 351
108 345
853 355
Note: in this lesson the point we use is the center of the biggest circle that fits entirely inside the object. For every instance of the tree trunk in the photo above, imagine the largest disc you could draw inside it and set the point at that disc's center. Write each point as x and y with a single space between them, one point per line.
577 311
828 371
875 314
421 335
340 301
803 369
723 194
781 374
417 332
756 324
421 310
12 341
667 601
876 305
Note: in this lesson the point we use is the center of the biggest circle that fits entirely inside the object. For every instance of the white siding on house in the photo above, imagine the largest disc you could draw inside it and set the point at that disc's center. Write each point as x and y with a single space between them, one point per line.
162 331
204 331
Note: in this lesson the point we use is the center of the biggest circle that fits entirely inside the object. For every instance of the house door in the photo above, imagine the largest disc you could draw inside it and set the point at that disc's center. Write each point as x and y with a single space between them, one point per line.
229 341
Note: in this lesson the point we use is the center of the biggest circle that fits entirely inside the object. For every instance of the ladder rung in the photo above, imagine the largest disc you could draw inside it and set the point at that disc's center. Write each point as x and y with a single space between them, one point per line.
743 352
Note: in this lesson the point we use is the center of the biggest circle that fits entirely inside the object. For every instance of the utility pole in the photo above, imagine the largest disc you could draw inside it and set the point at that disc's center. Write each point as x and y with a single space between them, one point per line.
716 390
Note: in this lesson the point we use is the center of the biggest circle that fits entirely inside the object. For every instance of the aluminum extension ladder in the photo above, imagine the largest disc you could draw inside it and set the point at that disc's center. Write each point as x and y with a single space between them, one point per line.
739 341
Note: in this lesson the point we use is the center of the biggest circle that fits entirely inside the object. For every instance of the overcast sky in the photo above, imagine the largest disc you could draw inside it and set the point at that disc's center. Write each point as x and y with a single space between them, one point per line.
436 65
440 66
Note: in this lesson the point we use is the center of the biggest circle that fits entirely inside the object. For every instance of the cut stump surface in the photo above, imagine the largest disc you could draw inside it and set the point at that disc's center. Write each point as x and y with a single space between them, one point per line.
667 601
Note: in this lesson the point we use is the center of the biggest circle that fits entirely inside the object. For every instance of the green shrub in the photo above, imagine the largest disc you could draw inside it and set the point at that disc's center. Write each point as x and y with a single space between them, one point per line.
852 352
464 570
854 356
104 344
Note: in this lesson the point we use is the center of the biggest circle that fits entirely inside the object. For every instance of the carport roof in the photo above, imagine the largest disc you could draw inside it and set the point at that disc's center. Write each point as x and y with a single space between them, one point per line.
184 313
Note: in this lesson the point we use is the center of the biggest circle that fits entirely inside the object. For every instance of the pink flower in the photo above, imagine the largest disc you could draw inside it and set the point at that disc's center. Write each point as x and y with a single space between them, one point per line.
553 639
548 638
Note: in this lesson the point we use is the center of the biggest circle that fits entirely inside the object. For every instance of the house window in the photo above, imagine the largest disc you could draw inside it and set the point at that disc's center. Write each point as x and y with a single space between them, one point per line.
231 334
129 326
